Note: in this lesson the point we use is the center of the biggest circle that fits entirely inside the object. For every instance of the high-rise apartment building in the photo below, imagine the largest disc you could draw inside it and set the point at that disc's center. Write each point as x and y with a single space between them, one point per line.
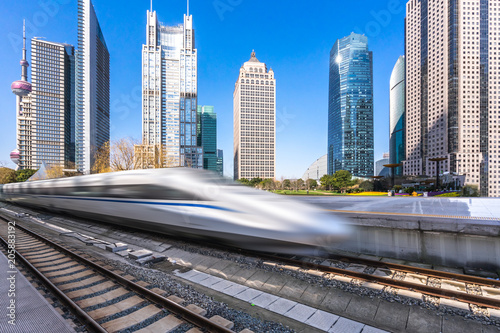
207 136
92 122
350 107
452 67
254 102
48 123
169 91
397 115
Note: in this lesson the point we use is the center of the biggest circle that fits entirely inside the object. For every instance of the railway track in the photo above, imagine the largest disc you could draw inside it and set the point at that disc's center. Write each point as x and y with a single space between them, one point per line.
102 299
468 289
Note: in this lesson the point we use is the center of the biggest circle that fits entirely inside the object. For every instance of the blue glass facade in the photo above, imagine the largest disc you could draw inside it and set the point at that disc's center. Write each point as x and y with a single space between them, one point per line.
350 107
397 115
207 136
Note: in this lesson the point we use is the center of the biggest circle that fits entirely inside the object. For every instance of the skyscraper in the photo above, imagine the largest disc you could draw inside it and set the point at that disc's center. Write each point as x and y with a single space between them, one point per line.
169 91
451 79
350 107
254 105
220 162
397 115
207 136
92 122
47 125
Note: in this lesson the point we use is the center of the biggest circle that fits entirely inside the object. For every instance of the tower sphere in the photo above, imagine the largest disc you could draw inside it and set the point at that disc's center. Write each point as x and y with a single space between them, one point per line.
21 88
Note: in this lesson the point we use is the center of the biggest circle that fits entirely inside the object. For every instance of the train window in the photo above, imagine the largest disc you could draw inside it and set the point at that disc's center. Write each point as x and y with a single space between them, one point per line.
153 192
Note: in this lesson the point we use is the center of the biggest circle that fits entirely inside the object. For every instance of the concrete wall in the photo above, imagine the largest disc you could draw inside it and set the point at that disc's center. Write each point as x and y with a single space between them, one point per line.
438 241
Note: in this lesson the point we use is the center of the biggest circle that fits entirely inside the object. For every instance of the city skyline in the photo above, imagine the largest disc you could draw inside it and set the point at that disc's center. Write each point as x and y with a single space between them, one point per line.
293 114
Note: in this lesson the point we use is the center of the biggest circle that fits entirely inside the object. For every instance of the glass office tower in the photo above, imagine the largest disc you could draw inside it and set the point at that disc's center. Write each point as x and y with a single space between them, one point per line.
397 115
92 123
207 136
169 91
350 107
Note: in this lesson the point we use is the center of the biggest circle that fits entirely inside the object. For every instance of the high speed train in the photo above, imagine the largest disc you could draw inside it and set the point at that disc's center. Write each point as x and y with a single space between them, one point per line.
191 203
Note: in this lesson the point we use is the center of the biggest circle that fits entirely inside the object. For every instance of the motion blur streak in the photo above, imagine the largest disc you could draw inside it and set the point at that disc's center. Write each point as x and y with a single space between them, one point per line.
197 204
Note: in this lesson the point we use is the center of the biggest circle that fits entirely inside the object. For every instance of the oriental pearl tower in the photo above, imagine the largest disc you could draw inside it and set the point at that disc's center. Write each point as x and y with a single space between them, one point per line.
20 88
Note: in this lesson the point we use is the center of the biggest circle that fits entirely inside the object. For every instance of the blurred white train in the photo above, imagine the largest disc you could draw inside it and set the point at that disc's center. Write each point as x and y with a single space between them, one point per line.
190 203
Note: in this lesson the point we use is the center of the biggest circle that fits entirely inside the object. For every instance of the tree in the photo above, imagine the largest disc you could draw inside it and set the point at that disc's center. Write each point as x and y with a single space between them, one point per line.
244 181
286 184
24 175
54 171
311 184
122 154
255 181
267 184
7 176
327 181
101 159
342 179
366 185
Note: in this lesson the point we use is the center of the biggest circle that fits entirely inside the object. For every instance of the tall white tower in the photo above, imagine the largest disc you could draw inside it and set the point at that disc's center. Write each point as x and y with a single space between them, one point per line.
20 88
254 103
170 96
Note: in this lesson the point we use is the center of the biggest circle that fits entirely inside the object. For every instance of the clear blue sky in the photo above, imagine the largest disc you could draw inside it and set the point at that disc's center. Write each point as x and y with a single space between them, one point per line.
293 38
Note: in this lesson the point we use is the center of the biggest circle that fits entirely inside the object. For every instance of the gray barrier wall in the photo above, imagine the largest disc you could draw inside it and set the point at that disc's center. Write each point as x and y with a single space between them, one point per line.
437 241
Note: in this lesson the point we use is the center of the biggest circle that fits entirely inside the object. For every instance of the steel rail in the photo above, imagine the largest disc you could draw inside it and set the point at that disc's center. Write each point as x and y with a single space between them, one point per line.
180 310
424 289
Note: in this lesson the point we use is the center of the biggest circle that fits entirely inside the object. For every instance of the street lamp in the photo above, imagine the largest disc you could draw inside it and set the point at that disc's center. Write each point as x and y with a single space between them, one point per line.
437 160
392 167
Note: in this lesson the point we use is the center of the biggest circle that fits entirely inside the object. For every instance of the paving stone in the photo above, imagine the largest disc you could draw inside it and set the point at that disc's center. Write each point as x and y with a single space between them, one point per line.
217 269
210 281
294 289
423 321
322 320
459 325
116 247
139 254
313 295
275 283
206 264
344 325
300 312
336 300
199 277
187 275
264 300
221 285
229 271
242 275
363 308
234 289
370 329
248 294
281 306
258 279
151 259
392 315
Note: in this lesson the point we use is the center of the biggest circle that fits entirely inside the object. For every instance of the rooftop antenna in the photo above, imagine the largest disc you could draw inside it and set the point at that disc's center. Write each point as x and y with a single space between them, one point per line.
151 6
188 8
